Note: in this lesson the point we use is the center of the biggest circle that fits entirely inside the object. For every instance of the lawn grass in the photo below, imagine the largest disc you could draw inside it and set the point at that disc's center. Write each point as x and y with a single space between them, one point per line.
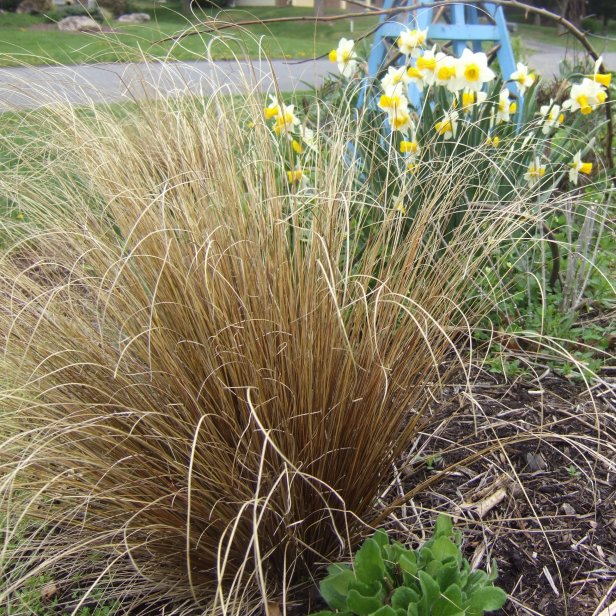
549 35
24 41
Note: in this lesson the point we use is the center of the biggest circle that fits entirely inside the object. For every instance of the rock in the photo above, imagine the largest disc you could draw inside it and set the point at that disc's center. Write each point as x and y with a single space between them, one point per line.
134 18
568 509
49 592
536 461
78 23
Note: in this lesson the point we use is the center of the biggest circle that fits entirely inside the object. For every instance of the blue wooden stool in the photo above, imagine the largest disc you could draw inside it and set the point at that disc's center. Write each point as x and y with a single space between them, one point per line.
463 26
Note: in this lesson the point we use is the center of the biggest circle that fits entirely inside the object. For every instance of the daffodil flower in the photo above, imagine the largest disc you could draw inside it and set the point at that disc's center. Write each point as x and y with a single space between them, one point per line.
411 41
391 102
401 120
552 117
416 77
286 120
603 78
273 109
472 70
345 57
425 66
505 107
399 205
297 177
470 98
308 137
585 96
493 141
447 126
445 71
523 78
396 79
409 147
534 173
577 167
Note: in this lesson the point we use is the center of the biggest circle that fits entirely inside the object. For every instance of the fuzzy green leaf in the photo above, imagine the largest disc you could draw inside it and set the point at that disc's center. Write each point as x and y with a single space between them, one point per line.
409 568
443 526
335 587
362 604
381 538
493 571
443 548
488 599
393 552
385 611
402 596
449 574
476 579
425 556
369 565
430 591
449 603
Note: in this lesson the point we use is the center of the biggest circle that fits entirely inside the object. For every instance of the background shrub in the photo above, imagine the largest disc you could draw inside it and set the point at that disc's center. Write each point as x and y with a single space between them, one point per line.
70 10
9 5
117 7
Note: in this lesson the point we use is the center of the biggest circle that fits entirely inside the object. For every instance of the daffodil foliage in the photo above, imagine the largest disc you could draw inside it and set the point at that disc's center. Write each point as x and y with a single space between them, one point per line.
493 139
468 111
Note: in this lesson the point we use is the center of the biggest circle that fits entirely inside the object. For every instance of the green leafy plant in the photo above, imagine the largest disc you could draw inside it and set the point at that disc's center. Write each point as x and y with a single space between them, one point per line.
74 10
573 471
388 579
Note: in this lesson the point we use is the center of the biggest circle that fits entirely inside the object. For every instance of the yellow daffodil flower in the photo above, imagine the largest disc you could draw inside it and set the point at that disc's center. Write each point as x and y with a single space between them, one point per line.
411 41
345 57
552 117
585 96
472 70
523 78
535 172
577 167
409 147
447 126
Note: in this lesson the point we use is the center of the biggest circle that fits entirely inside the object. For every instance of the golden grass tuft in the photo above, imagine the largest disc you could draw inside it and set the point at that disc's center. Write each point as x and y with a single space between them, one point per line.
206 375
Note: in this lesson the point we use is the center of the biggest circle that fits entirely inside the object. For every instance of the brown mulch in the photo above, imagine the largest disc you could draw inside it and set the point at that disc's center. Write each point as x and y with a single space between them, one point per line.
541 501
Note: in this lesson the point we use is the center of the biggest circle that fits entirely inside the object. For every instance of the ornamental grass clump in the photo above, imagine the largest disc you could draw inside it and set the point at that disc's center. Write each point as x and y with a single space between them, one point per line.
208 365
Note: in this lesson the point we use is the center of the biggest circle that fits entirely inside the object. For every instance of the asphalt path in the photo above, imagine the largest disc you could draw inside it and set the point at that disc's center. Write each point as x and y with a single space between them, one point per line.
32 87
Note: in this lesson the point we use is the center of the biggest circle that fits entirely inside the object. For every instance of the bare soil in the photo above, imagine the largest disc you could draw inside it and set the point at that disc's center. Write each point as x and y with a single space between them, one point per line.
541 497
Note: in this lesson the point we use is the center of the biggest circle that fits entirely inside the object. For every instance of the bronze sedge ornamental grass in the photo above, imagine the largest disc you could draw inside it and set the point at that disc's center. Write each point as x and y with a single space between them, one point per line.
205 381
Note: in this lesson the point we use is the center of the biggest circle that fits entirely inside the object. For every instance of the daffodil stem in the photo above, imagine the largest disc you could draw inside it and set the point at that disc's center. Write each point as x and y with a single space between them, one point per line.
553 245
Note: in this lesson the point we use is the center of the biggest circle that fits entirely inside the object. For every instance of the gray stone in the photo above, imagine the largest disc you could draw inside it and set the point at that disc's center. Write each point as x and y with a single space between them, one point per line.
134 18
78 23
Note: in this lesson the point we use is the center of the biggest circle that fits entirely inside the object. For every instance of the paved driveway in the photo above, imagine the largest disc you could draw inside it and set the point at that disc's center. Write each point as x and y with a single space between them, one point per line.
37 86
